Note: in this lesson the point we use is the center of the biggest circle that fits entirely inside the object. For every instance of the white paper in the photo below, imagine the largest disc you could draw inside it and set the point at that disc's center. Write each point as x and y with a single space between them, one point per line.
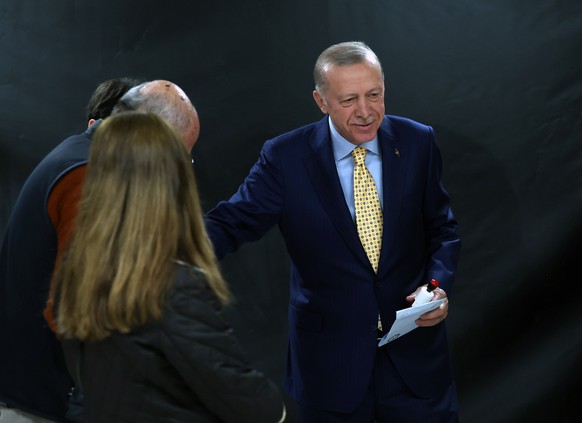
405 320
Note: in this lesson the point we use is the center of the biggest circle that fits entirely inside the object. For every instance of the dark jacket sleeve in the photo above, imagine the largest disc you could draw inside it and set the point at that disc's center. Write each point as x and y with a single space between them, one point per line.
204 350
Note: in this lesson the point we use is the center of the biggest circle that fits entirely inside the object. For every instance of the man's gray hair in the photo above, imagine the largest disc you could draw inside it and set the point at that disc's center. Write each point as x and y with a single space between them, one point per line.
342 54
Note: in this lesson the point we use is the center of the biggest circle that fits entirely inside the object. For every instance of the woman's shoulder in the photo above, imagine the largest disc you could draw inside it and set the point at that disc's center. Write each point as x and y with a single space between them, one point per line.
190 283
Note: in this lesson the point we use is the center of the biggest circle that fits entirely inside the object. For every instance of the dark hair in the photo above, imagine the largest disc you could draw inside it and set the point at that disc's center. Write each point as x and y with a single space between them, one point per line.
106 95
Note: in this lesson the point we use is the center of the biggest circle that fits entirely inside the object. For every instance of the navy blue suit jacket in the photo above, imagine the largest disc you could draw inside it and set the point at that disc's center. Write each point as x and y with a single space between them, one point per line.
335 295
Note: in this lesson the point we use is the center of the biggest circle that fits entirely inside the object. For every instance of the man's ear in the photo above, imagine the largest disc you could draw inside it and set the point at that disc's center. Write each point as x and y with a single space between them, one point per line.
91 122
320 101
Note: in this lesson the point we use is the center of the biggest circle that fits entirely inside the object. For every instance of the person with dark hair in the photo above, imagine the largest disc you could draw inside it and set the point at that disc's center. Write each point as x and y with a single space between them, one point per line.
367 222
106 95
34 381
164 98
140 290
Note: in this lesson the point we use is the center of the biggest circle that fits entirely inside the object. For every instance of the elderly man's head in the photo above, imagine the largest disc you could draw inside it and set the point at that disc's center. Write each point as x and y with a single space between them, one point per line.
167 100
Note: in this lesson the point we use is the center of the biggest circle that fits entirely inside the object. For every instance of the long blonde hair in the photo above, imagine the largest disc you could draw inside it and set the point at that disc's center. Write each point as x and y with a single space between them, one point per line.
139 212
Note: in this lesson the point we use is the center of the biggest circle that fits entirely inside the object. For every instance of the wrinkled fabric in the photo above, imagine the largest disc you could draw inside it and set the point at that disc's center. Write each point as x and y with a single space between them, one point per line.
187 367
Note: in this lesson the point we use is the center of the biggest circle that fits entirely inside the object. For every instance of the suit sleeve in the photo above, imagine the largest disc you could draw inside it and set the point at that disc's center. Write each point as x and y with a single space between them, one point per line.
443 243
204 350
252 210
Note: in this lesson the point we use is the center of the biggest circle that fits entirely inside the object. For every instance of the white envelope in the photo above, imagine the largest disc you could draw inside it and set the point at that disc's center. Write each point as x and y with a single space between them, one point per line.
405 320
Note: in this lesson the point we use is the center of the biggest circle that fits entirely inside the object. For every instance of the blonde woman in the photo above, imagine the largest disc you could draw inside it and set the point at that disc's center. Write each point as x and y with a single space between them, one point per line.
139 287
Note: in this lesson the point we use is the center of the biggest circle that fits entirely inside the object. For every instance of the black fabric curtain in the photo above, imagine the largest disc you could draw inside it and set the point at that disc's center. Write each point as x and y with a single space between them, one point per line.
500 81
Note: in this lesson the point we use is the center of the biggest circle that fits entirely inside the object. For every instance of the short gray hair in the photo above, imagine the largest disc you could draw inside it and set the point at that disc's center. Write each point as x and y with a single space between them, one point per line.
342 54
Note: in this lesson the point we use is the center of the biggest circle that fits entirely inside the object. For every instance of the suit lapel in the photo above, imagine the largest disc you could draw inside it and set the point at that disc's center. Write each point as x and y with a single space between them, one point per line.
394 159
321 167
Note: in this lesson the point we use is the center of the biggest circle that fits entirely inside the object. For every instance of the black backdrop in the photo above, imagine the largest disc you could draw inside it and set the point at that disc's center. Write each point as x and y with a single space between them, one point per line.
499 80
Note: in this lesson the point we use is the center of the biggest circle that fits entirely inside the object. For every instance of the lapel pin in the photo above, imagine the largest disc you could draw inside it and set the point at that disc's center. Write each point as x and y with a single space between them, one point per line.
397 152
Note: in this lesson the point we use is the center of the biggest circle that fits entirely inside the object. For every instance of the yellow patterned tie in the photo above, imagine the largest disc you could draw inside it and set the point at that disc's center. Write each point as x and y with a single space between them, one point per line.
369 220
368 209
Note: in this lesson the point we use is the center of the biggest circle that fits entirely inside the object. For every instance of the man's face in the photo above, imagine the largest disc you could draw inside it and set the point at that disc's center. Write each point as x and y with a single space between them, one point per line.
354 100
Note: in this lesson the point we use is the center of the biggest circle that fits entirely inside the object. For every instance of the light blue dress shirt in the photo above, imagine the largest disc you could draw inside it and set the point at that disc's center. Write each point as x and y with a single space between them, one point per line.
344 163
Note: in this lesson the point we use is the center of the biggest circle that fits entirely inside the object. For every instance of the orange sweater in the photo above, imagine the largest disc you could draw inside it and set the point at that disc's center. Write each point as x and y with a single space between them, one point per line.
63 206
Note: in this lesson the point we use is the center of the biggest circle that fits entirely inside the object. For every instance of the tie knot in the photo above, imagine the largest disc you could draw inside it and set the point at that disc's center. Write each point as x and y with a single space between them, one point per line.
359 155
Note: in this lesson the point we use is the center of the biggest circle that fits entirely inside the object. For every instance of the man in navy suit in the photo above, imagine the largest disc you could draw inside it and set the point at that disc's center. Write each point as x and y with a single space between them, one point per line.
302 182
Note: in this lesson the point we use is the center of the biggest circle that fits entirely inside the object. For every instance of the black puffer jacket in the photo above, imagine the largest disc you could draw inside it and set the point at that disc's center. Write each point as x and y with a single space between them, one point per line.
188 367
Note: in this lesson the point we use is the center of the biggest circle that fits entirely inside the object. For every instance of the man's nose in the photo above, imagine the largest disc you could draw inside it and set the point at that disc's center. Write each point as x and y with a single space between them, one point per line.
362 107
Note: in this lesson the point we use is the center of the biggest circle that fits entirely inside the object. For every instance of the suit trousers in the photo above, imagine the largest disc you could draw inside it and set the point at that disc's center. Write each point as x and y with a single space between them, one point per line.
389 400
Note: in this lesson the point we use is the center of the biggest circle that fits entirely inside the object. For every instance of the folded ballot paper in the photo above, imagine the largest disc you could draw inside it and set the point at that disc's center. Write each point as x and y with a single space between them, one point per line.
405 320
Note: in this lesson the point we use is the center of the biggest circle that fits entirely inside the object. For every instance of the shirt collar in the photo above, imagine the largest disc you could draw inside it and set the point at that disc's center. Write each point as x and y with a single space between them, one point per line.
343 148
